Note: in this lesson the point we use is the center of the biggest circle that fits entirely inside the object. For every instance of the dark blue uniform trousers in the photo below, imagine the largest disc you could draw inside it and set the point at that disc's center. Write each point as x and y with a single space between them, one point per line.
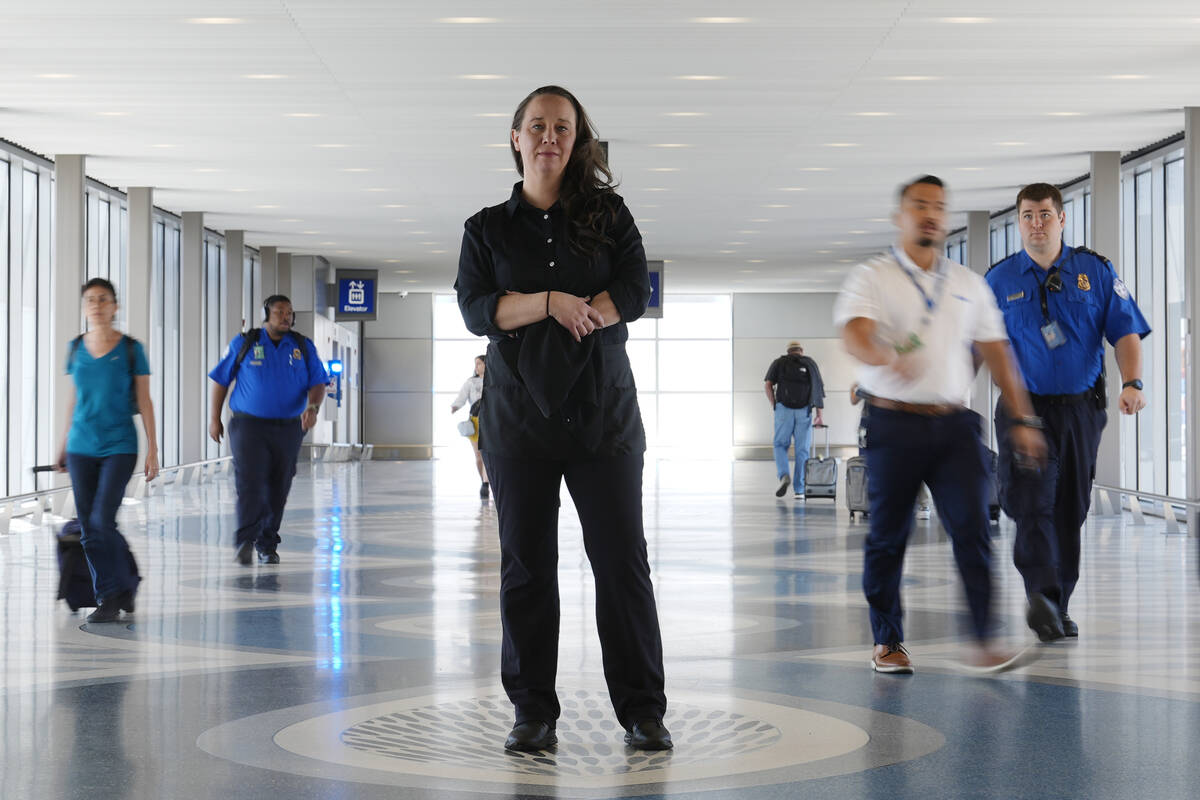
608 496
98 484
1051 505
903 451
264 462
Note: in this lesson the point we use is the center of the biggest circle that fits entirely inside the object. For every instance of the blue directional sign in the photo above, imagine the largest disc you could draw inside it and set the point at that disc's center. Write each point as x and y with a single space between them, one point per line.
654 308
356 294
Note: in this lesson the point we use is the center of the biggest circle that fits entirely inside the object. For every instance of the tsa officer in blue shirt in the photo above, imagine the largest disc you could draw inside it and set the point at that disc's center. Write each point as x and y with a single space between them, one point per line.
1060 304
279 389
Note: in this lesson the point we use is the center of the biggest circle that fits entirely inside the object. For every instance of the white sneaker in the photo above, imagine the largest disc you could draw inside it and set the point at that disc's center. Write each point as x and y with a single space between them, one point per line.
923 512
800 496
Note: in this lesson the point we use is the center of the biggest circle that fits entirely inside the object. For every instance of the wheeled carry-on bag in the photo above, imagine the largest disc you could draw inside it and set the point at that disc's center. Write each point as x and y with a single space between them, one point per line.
821 473
856 487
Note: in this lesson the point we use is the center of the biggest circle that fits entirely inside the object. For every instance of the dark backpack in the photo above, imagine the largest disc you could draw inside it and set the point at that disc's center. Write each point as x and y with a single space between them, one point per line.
131 356
250 338
794 382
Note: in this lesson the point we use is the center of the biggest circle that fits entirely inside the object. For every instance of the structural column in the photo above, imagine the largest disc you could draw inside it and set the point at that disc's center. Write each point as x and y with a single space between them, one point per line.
283 274
193 380
1105 226
235 259
70 253
979 260
136 302
269 256
1191 260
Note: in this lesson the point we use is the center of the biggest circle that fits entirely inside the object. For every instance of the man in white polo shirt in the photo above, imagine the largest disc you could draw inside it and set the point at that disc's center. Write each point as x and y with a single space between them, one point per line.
915 320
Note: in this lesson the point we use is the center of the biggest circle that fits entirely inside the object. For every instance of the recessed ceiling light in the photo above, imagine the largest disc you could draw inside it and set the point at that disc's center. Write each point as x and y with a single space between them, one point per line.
326 244
645 220
720 20
356 169
343 252
416 281
468 20
406 220
1010 144
727 252
207 169
824 252
700 77
291 220
685 113
737 244
913 78
874 114
1064 113
776 205
750 232
264 76
793 189
418 233
500 169
670 144
266 205
57 76
1129 77
858 233
494 114
404 272
303 114
497 144
845 260
215 21
755 260
839 243
664 169
758 220
747 271
311 233
332 146
655 189
162 146
394 205
483 77
879 219
816 169
112 113
841 144
376 189
967 20
436 253
969 169
429 244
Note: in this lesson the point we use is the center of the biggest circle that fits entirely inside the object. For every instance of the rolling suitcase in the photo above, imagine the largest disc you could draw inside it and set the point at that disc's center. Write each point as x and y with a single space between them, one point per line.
74 576
856 487
820 473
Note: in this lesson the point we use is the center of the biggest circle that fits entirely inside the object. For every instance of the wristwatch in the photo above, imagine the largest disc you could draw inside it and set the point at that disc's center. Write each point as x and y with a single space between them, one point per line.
1030 422
313 407
1135 383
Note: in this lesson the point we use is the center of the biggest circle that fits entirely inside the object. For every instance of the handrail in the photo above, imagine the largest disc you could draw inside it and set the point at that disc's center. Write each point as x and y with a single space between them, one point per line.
1135 505
1162 498
22 498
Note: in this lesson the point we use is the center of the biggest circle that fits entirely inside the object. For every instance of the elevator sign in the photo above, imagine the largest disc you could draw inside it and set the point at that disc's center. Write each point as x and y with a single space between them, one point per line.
356 294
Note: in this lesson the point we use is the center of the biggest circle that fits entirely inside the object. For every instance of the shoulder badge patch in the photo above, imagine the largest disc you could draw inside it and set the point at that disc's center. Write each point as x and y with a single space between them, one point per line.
1121 289
1083 283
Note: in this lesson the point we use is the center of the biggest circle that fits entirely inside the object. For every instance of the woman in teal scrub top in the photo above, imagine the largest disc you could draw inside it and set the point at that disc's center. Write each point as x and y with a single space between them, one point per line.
110 384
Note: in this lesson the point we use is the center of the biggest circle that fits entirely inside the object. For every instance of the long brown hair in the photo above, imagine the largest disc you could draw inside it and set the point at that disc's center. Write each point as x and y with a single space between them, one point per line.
587 192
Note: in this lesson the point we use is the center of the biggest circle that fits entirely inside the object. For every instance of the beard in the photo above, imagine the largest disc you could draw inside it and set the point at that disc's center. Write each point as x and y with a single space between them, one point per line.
925 241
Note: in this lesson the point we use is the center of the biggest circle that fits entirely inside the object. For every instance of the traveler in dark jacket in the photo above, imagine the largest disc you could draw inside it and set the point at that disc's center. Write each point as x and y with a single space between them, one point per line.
552 276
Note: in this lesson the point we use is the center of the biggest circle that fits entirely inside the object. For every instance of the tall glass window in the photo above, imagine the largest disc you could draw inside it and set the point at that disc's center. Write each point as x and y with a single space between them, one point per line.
214 320
1174 336
28 378
164 335
5 261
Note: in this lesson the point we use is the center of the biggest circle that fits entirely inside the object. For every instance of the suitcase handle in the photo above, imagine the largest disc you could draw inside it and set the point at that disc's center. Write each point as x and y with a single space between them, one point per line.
825 428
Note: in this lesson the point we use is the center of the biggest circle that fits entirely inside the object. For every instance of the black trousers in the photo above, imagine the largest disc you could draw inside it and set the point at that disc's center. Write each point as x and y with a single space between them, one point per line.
608 496
946 453
264 462
1051 505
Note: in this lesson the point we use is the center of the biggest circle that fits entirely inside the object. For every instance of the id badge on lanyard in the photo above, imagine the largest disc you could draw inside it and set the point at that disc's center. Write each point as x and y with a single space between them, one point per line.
1052 332
913 342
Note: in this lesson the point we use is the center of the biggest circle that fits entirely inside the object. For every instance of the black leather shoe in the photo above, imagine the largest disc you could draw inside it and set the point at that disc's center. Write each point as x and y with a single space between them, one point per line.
485 491
245 553
649 734
107 612
126 602
1043 616
1070 629
268 558
530 737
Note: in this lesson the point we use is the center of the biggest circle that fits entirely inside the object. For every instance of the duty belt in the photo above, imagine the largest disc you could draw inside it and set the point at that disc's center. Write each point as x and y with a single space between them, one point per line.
924 409
1062 399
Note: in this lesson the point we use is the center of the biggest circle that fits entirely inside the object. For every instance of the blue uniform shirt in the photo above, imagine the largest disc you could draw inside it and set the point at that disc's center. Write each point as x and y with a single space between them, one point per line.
102 424
274 379
1093 305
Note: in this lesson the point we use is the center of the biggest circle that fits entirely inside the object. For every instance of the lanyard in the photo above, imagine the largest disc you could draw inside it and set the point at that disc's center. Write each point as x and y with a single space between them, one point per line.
931 303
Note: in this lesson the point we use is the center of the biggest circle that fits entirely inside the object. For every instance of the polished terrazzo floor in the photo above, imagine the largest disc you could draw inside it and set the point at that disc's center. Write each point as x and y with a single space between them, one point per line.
365 665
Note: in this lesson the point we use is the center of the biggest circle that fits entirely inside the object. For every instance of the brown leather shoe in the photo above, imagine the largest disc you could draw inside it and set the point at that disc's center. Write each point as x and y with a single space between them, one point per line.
891 658
989 659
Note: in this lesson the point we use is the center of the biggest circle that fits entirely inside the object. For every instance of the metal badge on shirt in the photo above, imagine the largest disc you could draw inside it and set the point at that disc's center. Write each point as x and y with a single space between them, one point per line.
296 354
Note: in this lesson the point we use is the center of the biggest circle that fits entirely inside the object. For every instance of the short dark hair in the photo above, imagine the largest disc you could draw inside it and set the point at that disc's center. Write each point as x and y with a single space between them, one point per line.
930 180
1037 192
99 283
276 298
482 358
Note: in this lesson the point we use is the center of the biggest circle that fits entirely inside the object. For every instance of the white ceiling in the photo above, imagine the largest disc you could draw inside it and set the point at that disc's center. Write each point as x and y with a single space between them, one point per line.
755 199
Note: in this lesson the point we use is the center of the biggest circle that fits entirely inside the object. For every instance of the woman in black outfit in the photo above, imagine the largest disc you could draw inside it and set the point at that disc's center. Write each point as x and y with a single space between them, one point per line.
552 276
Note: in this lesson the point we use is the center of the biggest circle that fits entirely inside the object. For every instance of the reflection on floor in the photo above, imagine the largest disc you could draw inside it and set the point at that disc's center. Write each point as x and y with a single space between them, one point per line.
365 665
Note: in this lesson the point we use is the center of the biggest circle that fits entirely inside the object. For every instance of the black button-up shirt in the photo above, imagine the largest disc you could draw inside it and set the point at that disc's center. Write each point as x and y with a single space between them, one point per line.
545 395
